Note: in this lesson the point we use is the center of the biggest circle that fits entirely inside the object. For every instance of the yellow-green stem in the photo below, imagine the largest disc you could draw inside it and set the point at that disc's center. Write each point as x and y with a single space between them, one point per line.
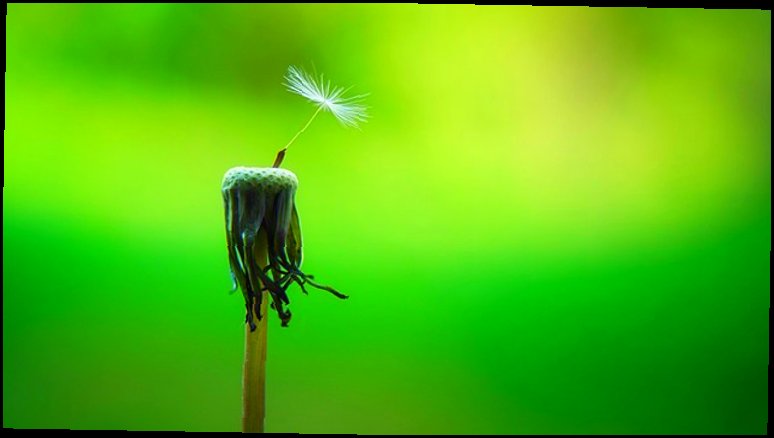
254 373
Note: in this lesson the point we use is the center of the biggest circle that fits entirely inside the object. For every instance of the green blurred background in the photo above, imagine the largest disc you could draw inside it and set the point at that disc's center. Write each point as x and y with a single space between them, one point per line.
556 221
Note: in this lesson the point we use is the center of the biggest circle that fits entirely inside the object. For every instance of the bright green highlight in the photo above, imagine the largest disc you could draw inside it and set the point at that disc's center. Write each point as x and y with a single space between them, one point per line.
556 220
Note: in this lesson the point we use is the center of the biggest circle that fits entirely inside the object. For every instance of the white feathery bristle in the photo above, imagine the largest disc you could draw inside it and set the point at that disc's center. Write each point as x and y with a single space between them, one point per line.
348 111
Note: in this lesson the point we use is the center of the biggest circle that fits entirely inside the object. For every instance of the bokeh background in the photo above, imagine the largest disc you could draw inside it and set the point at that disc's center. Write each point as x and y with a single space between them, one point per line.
556 220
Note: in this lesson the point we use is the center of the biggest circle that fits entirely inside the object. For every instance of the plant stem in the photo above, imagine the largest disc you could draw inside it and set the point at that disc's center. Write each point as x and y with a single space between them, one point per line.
281 153
254 373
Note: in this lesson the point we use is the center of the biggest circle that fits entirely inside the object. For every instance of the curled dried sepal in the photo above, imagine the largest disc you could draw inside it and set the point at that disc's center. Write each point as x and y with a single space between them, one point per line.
260 210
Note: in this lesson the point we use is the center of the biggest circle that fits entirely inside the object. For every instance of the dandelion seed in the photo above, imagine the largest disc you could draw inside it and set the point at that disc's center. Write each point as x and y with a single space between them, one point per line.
348 110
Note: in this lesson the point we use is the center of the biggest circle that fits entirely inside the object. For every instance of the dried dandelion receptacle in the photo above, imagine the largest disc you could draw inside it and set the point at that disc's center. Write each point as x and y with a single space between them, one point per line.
261 200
